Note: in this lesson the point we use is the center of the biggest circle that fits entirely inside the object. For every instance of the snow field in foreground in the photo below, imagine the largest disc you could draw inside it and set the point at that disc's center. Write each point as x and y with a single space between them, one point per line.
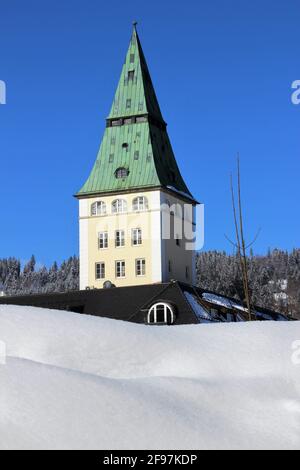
73 381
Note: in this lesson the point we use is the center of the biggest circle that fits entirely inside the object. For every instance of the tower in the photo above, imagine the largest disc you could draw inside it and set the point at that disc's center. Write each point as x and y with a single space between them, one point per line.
136 214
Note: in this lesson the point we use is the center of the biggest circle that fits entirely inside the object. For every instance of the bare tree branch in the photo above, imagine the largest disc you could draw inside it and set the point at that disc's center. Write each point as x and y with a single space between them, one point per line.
254 240
243 244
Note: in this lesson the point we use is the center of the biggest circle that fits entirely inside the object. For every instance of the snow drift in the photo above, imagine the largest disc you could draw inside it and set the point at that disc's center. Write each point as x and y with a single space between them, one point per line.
80 382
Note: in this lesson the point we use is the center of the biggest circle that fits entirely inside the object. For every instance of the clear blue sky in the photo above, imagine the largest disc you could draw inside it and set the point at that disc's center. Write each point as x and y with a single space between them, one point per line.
222 70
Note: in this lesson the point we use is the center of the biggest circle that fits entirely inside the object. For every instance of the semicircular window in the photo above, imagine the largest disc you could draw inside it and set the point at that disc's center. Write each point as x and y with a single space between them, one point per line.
121 173
161 313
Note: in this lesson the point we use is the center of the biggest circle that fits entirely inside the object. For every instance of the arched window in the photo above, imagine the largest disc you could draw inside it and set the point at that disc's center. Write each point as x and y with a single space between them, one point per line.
140 203
118 206
161 313
121 173
98 208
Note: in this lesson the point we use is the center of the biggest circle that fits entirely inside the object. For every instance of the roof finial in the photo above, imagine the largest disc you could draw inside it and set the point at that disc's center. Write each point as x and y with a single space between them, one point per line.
134 25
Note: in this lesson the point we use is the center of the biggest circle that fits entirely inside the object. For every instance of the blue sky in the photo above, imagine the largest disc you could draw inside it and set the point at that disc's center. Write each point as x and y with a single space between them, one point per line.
222 71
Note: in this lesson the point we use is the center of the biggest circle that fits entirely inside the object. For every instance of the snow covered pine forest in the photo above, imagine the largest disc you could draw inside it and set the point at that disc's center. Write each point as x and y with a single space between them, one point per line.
274 278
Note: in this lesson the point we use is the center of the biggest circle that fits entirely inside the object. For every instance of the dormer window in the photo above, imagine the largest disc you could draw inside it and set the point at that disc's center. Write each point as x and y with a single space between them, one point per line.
121 173
161 313
128 104
119 206
141 119
98 208
130 75
117 122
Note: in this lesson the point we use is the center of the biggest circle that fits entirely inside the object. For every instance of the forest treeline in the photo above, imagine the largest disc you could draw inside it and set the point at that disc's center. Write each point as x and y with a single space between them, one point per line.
30 279
274 278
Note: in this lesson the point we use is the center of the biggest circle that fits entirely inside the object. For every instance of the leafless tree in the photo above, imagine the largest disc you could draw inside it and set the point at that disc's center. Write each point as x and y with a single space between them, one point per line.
240 243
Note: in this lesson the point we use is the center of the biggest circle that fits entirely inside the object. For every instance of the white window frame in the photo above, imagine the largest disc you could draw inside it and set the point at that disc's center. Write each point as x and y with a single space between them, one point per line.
140 204
98 208
120 269
140 267
136 237
102 239
101 266
119 206
167 310
119 238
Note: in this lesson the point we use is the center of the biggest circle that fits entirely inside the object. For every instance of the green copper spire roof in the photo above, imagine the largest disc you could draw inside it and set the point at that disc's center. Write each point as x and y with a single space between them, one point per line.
135 139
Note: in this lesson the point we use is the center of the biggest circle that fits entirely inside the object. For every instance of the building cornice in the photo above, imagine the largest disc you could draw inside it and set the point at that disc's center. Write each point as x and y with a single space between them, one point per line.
144 189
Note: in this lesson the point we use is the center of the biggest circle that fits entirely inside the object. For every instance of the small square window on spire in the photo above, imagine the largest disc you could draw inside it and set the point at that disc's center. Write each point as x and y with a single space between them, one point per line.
130 75
128 104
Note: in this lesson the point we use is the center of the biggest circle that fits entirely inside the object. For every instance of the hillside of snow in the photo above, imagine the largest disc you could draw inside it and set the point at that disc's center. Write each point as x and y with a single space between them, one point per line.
71 381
